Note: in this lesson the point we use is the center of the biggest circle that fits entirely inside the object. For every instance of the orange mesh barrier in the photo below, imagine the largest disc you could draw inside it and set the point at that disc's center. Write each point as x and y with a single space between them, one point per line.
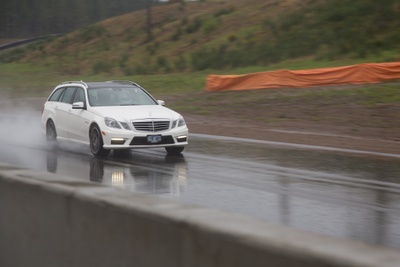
354 74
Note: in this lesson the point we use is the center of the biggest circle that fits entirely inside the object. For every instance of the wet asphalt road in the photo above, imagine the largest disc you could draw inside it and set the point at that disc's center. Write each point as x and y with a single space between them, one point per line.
337 193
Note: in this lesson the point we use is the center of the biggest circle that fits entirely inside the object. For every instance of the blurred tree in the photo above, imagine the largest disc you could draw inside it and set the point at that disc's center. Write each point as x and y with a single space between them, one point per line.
30 18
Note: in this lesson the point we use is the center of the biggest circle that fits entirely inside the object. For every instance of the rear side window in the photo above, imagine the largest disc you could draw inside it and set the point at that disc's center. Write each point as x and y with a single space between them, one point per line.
68 94
56 95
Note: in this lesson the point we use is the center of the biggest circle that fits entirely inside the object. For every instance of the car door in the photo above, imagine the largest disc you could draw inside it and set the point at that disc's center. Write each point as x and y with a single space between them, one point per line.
51 105
79 118
63 110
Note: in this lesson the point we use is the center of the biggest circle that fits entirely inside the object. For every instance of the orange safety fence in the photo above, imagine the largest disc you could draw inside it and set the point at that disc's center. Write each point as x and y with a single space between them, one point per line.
354 74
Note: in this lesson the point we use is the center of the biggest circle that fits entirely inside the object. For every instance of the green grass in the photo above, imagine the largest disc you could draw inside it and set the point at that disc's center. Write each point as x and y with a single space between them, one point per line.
369 94
381 94
27 80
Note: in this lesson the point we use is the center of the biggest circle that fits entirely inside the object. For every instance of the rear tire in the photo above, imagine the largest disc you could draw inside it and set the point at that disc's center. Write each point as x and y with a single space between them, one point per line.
96 143
51 133
174 150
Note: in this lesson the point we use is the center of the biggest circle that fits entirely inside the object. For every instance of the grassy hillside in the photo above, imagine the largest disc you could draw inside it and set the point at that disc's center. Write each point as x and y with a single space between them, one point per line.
226 35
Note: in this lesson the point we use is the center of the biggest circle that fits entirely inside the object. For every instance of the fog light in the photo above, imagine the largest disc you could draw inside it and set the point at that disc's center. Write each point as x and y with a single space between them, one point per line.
118 141
182 138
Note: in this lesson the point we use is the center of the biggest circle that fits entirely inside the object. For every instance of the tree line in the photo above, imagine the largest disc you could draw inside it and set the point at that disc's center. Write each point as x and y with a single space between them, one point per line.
30 18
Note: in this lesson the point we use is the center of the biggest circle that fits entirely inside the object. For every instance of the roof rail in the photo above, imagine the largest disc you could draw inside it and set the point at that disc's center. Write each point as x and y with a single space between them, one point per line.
125 82
81 82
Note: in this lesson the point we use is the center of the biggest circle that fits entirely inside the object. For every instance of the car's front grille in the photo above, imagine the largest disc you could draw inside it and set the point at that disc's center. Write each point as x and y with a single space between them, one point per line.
142 140
151 126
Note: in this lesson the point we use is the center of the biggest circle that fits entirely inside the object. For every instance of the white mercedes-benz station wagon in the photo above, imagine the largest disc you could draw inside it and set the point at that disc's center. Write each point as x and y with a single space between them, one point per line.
112 115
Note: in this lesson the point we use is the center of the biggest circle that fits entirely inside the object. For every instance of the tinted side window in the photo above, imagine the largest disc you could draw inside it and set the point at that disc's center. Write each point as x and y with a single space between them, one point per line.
79 95
68 94
56 95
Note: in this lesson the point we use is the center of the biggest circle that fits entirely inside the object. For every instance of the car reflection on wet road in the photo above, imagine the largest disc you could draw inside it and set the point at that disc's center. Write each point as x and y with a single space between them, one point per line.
347 195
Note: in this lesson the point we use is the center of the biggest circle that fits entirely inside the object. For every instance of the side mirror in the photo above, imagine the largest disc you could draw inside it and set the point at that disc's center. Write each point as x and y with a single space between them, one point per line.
78 105
161 102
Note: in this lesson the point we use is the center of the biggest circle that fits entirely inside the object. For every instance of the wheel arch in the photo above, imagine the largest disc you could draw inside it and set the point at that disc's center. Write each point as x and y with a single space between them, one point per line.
93 124
48 119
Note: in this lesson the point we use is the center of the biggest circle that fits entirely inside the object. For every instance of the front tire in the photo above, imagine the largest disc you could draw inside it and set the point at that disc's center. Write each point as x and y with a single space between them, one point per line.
174 150
96 143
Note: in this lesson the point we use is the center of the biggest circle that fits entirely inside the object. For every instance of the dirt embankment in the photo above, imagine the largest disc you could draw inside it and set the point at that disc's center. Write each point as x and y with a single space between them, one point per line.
310 117
291 133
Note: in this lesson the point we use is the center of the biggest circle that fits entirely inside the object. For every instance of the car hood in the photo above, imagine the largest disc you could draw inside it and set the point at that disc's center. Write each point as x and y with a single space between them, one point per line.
140 112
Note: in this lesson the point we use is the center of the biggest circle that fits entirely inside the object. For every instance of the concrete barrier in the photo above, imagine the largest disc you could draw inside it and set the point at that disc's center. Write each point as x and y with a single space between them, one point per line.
50 220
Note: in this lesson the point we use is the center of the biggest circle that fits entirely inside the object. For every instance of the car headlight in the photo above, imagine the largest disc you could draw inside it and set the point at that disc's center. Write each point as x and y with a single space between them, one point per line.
125 125
181 122
178 123
112 123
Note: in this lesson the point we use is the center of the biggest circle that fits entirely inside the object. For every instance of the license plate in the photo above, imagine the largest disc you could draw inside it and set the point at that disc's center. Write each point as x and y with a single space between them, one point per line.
154 139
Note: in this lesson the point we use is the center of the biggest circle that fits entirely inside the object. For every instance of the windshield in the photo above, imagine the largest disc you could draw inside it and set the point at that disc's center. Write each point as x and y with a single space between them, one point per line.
119 96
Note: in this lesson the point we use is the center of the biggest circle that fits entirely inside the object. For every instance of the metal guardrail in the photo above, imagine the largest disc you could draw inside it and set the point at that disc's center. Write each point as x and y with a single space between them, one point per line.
26 41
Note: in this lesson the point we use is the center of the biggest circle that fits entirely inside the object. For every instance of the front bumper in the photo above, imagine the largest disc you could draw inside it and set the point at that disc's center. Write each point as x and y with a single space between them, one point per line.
130 140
